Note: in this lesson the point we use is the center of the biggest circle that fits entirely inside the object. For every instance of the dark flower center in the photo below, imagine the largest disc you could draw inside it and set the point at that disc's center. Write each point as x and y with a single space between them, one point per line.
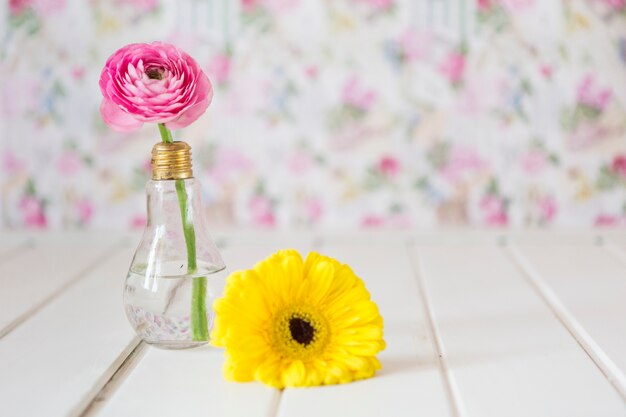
301 330
155 73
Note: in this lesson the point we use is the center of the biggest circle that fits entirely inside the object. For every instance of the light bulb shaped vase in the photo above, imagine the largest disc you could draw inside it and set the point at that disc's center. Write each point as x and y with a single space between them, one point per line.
177 271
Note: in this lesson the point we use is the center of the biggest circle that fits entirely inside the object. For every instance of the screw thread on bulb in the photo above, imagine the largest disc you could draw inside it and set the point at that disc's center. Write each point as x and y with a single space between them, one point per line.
171 161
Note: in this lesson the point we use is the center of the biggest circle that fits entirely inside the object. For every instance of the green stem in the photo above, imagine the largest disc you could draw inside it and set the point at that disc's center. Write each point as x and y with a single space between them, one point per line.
199 325
166 134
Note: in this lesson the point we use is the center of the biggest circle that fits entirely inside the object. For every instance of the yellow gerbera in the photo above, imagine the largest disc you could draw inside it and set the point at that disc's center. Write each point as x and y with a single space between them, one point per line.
288 324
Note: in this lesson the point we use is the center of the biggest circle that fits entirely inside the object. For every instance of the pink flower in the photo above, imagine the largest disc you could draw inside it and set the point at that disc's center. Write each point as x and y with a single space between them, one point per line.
32 211
299 162
229 163
516 6
314 209
372 220
219 68
614 4
311 71
153 83
619 165
484 5
138 222
606 220
453 67
16 7
494 211
547 209
534 162
78 72
84 210
379 5
141 5
354 95
41 7
590 95
69 163
415 45
389 166
461 161
546 71
261 208
248 6
10 163
280 6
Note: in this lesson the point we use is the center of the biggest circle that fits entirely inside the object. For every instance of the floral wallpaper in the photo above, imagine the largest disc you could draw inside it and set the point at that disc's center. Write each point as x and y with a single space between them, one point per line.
331 114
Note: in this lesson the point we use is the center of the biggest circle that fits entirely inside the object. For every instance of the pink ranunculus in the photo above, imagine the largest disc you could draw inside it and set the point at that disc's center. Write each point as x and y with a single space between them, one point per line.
153 82
32 212
453 67
619 165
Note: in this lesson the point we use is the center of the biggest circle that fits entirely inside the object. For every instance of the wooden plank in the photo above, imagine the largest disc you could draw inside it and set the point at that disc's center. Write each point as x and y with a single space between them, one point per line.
190 382
35 276
10 250
55 362
507 353
590 286
409 383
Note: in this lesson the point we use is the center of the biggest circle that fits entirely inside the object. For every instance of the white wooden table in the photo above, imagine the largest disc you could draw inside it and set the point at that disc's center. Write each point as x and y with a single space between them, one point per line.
476 323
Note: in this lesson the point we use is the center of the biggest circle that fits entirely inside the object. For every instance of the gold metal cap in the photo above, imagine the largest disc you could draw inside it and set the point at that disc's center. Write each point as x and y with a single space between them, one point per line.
171 161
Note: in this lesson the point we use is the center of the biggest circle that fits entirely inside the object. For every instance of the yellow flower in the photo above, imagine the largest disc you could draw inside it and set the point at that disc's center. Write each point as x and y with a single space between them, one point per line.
290 324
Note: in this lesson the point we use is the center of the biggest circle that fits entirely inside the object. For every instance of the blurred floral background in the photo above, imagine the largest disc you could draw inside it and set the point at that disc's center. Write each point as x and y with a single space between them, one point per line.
328 113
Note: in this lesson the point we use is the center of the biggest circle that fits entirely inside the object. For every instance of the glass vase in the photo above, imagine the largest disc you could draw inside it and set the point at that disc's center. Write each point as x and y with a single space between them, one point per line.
175 275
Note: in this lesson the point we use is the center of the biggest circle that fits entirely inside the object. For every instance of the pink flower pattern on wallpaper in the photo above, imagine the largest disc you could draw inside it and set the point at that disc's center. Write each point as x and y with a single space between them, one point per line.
342 113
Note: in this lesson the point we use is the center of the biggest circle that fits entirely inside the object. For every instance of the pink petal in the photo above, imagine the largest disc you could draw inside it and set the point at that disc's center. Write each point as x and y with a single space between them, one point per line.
117 118
191 114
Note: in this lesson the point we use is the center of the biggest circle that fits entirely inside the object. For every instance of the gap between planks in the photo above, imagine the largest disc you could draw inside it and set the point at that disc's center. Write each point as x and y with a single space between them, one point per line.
604 363
127 361
450 387
108 252
111 379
